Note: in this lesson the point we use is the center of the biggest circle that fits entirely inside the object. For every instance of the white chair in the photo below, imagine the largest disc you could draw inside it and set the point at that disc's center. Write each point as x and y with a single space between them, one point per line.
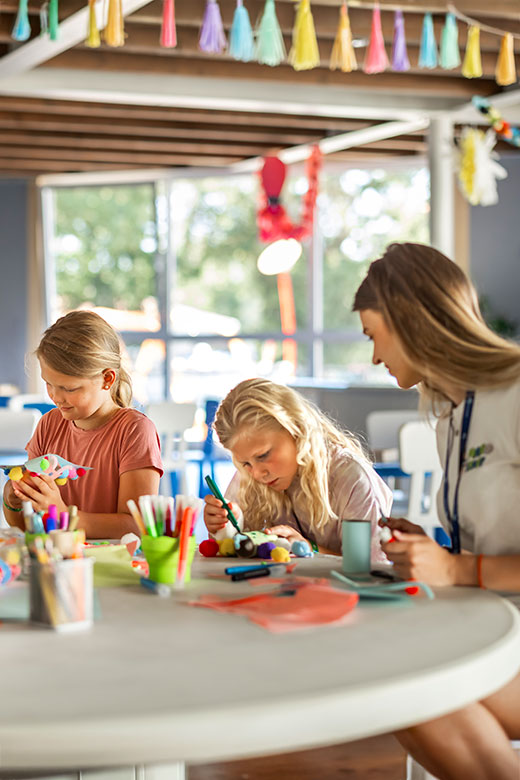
16 428
383 431
30 400
418 457
172 420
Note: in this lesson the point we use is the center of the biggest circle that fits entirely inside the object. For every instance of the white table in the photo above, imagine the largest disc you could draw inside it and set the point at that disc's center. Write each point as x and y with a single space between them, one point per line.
159 682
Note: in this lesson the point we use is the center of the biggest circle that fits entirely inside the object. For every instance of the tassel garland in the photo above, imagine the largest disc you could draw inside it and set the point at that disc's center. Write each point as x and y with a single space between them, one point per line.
400 61
450 55
343 55
115 29
22 28
212 38
44 19
376 60
168 38
270 48
93 40
428 50
304 53
241 44
472 65
505 71
53 20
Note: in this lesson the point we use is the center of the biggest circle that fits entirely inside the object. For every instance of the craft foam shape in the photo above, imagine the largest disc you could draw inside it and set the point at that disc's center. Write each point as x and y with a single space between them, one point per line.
52 465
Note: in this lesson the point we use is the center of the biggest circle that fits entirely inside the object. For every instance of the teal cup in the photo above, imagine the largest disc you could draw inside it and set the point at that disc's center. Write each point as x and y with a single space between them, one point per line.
356 538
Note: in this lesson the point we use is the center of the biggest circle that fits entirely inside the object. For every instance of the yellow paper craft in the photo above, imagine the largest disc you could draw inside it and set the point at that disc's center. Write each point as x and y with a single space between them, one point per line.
113 566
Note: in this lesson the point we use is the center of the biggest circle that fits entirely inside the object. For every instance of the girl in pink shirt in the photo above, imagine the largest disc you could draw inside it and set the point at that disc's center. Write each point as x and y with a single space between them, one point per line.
94 426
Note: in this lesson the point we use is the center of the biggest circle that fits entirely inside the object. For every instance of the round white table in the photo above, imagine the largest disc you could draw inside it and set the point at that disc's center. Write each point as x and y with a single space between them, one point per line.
159 682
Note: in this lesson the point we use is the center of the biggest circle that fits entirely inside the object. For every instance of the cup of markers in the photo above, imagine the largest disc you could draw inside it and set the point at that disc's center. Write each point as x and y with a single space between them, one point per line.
167 541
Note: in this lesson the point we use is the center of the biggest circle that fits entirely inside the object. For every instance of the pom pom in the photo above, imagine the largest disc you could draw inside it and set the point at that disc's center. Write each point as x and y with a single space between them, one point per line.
428 50
212 38
505 71
53 20
61 481
472 65
227 548
15 474
93 40
115 29
280 555
44 464
376 60
302 549
400 61
209 548
343 55
22 28
450 55
72 473
270 48
168 30
284 543
264 549
33 474
241 45
81 471
304 53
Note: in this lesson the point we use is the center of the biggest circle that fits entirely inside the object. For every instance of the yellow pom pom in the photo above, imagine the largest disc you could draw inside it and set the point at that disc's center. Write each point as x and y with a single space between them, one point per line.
280 555
12 557
61 481
15 474
227 547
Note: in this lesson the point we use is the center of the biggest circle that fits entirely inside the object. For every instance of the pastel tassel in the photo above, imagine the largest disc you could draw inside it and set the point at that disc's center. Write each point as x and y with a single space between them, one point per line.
505 71
115 29
168 38
343 55
400 61
450 55
428 51
304 53
44 19
93 40
212 38
376 60
22 28
241 44
472 65
270 48
53 20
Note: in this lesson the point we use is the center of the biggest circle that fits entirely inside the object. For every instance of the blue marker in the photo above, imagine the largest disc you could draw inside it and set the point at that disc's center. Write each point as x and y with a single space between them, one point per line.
157 587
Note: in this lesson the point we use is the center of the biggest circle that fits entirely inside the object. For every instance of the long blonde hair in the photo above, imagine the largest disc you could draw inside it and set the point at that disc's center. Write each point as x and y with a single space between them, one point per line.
432 307
258 404
83 344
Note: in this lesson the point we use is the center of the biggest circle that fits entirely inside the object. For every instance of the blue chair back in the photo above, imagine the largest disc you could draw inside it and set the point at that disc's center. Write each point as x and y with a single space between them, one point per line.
40 405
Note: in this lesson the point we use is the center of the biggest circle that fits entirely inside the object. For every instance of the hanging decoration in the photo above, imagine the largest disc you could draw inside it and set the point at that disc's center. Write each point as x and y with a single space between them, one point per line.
450 55
212 38
428 50
270 48
93 40
472 65
272 219
114 33
400 61
343 55
376 60
477 167
22 28
502 128
505 72
168 38
44 19
304 53
53 20
241 44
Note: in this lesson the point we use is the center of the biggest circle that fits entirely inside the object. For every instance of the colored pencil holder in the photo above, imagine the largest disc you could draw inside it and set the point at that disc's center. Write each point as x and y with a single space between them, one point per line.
356 538
66 541
62 593
162 557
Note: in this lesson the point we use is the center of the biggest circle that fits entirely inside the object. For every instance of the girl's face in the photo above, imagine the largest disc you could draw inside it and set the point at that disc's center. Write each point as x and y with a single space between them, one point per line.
388 349
269 456
81 399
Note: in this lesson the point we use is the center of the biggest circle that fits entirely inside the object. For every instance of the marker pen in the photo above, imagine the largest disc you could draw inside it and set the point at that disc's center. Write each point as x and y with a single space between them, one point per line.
157 587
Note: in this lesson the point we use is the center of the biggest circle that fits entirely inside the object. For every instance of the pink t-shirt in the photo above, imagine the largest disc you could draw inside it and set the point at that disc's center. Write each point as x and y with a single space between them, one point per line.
128 441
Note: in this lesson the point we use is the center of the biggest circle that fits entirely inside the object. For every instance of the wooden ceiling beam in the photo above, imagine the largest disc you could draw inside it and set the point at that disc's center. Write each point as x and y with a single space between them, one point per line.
99 155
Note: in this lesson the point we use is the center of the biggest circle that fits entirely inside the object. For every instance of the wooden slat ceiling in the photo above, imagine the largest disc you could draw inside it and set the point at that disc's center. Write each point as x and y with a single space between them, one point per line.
42 135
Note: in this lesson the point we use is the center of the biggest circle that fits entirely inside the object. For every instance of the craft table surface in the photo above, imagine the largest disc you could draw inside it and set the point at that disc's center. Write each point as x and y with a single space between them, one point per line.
156 680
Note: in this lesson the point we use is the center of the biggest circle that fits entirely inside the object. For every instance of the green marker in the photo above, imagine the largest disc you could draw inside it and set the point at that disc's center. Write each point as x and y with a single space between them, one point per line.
216 492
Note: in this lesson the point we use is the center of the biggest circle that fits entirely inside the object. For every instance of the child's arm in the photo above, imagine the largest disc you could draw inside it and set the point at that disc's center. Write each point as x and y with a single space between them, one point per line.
10 499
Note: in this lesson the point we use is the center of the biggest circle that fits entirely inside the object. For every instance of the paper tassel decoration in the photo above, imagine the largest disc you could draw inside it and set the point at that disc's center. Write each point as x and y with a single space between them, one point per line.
115 29
212 38
343 55
241 45
304 53
93 40
168 38
505 71
450 55
478 167
472 65
44 19
400 61
53 20
376 60
22 28
428 51
270 48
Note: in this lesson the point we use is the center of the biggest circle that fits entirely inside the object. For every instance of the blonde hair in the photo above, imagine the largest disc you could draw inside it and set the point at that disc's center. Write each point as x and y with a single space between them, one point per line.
432 307
258 404
83 344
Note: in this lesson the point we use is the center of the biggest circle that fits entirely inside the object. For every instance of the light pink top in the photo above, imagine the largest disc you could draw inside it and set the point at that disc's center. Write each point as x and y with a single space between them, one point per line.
128 441
356 492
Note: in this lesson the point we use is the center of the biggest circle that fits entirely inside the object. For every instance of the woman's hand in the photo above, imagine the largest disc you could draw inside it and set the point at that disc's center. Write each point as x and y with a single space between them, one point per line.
285 531
401 524
215 516
417 557
41 491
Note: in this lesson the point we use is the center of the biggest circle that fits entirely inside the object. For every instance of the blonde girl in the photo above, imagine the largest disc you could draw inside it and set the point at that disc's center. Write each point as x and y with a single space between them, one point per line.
297 473
93 425
421 312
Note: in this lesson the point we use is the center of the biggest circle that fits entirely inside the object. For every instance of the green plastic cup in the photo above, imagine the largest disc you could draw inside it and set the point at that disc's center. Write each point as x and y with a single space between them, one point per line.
162 556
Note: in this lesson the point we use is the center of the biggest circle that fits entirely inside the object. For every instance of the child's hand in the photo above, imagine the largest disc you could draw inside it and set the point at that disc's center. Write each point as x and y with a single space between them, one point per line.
215 516
10 496
285 531
417 557
41 491
400 524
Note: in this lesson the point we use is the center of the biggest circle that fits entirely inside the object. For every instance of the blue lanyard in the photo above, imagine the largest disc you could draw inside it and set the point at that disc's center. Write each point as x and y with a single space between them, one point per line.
453 517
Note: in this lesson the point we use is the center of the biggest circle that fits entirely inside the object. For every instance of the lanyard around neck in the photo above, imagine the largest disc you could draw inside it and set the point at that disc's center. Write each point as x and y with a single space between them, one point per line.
453 516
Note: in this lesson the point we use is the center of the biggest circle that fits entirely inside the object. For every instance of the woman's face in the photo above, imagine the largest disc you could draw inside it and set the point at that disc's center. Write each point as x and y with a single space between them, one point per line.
269 456
388 349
